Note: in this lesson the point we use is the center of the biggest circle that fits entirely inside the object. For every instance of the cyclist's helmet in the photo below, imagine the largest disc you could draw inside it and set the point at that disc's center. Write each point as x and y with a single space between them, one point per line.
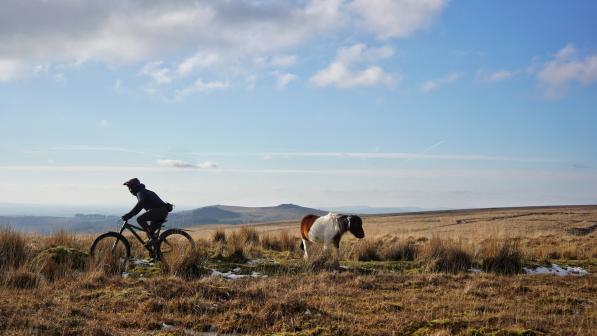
134 185
132 182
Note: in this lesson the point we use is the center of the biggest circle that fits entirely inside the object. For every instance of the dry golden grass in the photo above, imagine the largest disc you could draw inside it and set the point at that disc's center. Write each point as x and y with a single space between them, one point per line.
13 249
399 250
446 256
502 257
419 285
218 236
321 303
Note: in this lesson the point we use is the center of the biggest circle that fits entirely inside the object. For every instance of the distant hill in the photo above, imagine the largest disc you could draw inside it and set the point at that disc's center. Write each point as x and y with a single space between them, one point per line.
216 214
226 214
367 210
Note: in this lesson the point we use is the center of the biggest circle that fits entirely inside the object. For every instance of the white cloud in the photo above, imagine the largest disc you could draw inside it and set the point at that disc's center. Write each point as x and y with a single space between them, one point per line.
434 84
183 164
130 31
207 165
104 123
396 18
197 61
499 76
200 87
565 68
159 74
118 86
283 60
10 69
283 79
486 76
424 155
340 73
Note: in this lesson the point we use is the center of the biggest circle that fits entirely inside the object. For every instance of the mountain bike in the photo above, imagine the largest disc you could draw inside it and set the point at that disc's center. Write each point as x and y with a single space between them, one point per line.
113 248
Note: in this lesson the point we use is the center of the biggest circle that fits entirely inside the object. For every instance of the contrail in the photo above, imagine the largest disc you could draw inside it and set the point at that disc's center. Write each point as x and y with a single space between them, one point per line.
439 143
428 149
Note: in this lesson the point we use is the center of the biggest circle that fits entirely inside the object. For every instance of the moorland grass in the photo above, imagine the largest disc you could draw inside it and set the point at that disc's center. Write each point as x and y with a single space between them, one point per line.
419 286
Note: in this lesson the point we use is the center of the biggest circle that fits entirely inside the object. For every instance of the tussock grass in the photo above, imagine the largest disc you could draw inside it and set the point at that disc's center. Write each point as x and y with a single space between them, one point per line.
367 251
321 262
502 257
218 236
59 262
107 263
190 266
282 241
62 238
21 278
248 235
13 249
441 255
234 249
399 250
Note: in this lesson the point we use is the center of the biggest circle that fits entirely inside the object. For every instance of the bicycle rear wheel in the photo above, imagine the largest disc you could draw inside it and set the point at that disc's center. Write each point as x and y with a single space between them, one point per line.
110 253
175 245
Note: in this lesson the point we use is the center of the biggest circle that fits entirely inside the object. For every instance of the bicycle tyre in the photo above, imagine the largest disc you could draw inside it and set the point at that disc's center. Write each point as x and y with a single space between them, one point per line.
175 244
114 261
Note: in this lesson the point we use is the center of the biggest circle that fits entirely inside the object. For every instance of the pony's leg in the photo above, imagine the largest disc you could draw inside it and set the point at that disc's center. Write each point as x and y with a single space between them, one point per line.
337 253
305 249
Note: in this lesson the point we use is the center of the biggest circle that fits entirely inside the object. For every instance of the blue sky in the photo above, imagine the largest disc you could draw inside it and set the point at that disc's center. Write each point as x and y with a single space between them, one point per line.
322 103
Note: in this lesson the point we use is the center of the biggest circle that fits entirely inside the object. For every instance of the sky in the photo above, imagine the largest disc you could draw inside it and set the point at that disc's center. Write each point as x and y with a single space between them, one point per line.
387 103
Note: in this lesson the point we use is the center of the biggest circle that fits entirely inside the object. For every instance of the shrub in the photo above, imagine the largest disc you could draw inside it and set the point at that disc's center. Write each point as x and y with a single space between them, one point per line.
13 249
446 256
503 258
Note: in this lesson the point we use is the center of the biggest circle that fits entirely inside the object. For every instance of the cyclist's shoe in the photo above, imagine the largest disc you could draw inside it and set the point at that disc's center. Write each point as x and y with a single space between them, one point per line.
152 241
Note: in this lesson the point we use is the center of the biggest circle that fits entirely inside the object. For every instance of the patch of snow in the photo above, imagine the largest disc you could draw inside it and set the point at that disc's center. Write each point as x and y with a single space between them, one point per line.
233 276
257 275
256 261
475 270
555 270
166 326
141 262
125 275
307 312
227 275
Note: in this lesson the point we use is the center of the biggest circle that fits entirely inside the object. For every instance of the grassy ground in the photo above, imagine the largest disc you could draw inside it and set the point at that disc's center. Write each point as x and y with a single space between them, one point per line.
408 277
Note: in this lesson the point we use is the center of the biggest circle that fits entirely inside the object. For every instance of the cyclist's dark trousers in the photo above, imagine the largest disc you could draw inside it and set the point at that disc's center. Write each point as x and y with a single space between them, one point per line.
154 217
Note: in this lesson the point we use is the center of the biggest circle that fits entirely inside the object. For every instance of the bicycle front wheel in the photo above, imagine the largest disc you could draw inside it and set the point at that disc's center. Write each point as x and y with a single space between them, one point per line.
110 253
175 245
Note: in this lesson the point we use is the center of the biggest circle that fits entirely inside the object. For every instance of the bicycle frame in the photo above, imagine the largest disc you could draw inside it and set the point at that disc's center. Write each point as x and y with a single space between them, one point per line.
133 229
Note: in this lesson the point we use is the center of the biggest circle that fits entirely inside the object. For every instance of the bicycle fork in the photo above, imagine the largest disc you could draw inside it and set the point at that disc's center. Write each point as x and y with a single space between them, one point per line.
116 242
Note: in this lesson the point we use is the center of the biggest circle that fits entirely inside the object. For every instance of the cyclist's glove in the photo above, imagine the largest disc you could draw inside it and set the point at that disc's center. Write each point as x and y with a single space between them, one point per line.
125 217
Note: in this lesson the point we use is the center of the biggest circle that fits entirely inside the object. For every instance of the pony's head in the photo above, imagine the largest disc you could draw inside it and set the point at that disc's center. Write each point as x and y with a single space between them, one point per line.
354 224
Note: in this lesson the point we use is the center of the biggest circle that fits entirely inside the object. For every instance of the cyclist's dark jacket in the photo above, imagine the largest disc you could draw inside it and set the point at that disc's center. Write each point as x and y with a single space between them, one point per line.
147 200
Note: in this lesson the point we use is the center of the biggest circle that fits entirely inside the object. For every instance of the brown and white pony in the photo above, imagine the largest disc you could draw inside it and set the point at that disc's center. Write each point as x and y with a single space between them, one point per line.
329 229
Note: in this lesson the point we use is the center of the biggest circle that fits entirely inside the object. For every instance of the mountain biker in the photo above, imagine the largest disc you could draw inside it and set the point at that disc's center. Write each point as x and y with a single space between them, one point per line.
157 210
